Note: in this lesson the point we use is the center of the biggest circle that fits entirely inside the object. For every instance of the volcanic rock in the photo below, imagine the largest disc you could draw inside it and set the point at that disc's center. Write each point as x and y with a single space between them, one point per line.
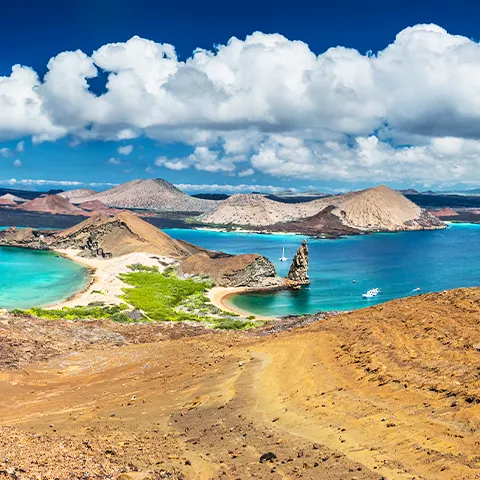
249 270
73 195
103 236
375 209
298 273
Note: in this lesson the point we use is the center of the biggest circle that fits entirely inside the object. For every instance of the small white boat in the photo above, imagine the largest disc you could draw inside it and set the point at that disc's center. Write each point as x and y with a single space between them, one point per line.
416 289
371 293
283 258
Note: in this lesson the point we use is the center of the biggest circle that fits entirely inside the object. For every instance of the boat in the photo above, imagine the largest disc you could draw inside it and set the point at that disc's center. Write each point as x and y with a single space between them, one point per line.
416 289
283 258
371 293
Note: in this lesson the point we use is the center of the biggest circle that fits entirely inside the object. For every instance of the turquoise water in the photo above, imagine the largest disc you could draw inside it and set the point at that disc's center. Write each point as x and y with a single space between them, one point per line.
31 278
395 263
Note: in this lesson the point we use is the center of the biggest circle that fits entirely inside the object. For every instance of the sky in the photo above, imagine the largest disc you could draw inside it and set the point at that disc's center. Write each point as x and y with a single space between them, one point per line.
228 97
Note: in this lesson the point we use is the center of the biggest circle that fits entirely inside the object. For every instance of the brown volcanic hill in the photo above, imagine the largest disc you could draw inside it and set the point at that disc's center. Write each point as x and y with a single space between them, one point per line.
106 236
444 212
93 205
254 210
73 195
324 223
375 209
391 391
53 204
8 197
384 209
150 194
233 271
5 202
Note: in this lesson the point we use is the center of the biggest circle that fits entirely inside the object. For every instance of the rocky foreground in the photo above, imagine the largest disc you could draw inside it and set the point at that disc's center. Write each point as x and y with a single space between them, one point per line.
388 392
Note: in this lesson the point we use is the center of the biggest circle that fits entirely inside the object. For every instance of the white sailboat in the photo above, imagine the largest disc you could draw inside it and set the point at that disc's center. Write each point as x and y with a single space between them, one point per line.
283 258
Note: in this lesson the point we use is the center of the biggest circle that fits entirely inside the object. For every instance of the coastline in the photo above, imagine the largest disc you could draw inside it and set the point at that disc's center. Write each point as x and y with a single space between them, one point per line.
104 283
245 230
219 295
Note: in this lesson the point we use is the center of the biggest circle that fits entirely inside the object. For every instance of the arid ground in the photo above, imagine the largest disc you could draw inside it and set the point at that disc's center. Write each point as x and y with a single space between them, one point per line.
389 392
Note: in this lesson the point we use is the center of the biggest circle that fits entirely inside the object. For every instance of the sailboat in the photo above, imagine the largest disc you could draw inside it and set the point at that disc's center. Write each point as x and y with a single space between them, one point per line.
283 258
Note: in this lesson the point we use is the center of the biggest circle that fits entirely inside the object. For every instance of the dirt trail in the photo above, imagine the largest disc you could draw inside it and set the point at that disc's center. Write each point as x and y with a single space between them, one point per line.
332 400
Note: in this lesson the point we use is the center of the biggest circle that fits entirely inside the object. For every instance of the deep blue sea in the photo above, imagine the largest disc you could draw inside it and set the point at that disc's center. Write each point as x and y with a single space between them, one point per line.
395 263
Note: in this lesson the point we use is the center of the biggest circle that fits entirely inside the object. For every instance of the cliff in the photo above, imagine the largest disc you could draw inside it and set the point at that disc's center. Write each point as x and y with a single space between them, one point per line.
233 271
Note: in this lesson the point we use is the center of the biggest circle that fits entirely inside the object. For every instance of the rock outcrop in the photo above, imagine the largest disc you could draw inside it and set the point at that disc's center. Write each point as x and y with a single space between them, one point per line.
249 270
103 236
298 273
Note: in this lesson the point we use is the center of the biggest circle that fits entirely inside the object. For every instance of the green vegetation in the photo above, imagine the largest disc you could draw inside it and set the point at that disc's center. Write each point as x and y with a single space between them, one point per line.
94 311
157 297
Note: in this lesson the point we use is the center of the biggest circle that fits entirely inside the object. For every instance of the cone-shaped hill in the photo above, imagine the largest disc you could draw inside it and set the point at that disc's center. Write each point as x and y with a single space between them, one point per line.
374 209
151 194
53 204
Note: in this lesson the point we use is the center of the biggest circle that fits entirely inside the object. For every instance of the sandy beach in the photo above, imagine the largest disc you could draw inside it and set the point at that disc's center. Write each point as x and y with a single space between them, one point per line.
219 295
105 284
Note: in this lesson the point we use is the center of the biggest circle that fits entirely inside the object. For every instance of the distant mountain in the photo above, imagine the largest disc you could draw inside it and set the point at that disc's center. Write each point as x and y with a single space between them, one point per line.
409 191
9 199
7 202
53 204
375 209
444 212
152 194
25 194
253 210
73 195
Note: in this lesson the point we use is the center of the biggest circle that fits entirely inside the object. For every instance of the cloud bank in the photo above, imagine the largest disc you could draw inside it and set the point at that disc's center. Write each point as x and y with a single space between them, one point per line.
269 104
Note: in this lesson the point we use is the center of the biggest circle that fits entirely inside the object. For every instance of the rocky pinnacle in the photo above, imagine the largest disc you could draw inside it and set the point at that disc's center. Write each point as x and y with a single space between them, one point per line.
298 273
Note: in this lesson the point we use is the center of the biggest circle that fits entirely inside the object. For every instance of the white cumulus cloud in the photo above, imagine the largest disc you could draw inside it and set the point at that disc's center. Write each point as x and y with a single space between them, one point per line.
408 112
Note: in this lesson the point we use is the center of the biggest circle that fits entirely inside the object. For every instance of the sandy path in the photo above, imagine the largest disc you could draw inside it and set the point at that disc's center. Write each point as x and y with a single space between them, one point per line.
218 402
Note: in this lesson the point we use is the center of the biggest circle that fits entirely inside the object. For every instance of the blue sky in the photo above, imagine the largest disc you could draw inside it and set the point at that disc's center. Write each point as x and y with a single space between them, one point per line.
261 112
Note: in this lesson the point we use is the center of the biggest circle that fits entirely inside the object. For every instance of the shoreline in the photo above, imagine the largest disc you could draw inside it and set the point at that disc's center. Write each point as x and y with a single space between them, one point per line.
246 230
219 295
104 284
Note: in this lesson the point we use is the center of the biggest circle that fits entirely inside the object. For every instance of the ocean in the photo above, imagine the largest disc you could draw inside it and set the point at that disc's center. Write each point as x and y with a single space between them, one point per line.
31 278
341 270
